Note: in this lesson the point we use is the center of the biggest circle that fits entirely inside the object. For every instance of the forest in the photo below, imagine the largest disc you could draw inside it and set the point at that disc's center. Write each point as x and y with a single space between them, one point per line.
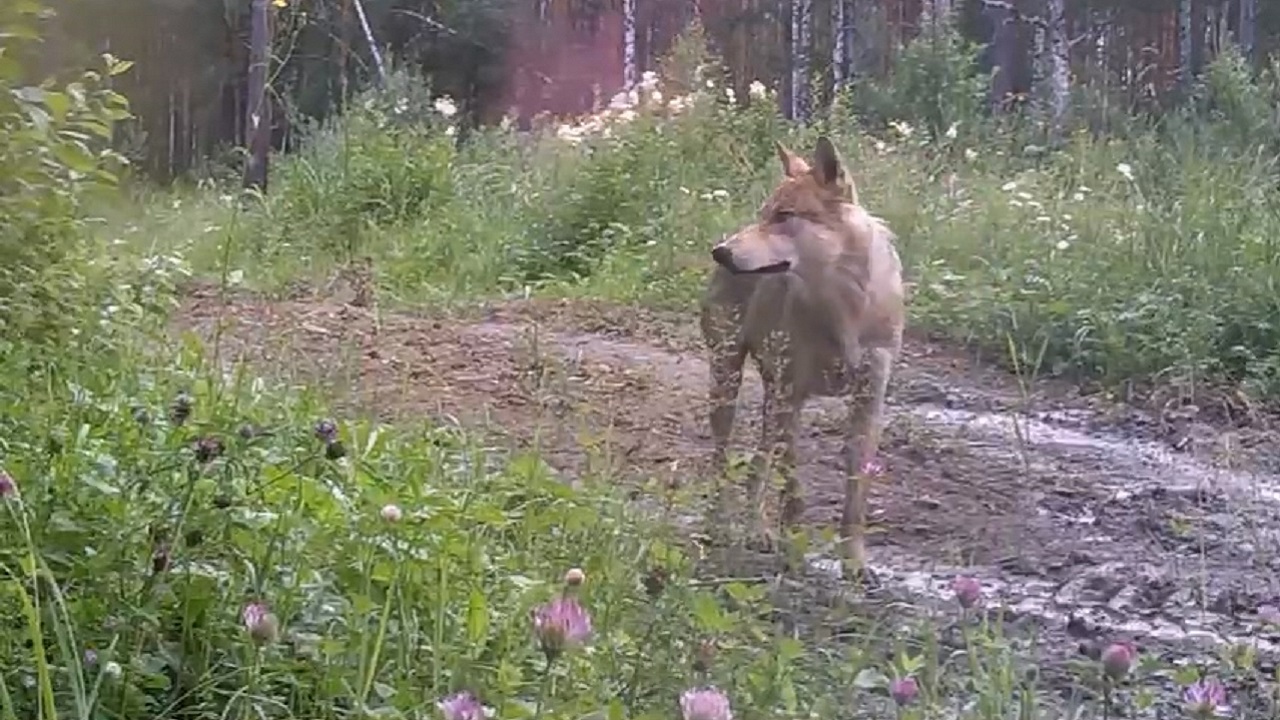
564 57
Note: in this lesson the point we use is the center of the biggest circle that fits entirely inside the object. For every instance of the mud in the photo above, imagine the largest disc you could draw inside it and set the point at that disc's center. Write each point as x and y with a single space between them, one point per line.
1085 520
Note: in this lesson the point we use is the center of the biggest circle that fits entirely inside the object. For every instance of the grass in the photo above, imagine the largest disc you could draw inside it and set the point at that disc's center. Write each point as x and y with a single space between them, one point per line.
156 493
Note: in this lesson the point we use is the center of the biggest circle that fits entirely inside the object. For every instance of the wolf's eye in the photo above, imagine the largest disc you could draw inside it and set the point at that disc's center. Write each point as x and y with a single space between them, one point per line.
781 216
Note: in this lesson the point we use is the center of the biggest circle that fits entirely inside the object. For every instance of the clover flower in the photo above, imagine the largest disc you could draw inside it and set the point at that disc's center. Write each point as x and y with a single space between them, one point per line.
560 624
259 622
904 690
461 706
706 703
1117 659
1206 699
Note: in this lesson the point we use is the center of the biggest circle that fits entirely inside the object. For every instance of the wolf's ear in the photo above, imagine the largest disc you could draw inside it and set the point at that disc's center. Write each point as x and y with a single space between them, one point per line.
828 167
792 164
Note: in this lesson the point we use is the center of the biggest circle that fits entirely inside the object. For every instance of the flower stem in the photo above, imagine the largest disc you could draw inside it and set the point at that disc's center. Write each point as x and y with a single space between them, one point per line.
548 687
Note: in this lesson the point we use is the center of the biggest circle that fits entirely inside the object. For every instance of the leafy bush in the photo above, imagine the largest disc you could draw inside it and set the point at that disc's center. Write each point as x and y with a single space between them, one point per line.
935 84
383 164
396 566
54 155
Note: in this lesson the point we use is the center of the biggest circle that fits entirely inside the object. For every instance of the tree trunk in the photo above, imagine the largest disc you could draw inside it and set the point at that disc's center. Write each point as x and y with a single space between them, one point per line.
1248 34
1185 45
801 24
842 18
1211 44
1003 53
630 71
258 110
1059 75
1039 89
373 43
934 14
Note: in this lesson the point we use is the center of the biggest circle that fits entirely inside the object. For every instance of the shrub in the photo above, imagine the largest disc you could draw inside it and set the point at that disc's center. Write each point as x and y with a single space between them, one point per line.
54 155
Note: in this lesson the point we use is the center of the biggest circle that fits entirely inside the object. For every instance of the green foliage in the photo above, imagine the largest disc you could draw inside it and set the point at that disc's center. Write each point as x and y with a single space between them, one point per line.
935 83
154 528
1241 107
1134 259
385 163
54 154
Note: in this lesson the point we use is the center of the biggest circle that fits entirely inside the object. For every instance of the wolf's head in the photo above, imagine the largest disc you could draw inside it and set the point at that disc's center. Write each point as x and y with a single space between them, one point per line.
800 221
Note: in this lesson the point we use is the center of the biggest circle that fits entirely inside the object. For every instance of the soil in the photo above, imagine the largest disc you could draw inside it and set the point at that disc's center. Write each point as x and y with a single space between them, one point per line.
1085 518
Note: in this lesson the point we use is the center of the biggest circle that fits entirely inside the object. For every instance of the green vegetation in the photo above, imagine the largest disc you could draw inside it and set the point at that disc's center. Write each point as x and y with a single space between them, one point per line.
150 497
1142 256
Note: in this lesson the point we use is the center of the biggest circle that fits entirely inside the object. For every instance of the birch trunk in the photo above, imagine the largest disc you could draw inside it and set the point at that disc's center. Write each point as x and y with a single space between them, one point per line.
842 48
630 72
1040 88
1059 67
801 24
1185 45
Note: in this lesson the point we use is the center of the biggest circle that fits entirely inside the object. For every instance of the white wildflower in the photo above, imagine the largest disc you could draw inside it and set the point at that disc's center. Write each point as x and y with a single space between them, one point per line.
952 131
1063 245
445 106
451 131
970 154
619 101
1125 170
757 90
902 128
1009 186
569 134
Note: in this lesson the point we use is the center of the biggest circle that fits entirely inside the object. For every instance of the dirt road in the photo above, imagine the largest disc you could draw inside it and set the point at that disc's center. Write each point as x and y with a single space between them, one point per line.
1168 536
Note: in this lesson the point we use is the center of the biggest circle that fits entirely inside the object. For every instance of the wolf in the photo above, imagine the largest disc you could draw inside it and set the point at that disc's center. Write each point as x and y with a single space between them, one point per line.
812 290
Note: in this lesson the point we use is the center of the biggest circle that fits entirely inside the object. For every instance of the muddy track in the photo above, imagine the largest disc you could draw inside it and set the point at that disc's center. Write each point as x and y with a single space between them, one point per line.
1082 526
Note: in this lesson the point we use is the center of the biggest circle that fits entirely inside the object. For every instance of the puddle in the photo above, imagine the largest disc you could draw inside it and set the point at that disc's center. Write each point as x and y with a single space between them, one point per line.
1140 460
